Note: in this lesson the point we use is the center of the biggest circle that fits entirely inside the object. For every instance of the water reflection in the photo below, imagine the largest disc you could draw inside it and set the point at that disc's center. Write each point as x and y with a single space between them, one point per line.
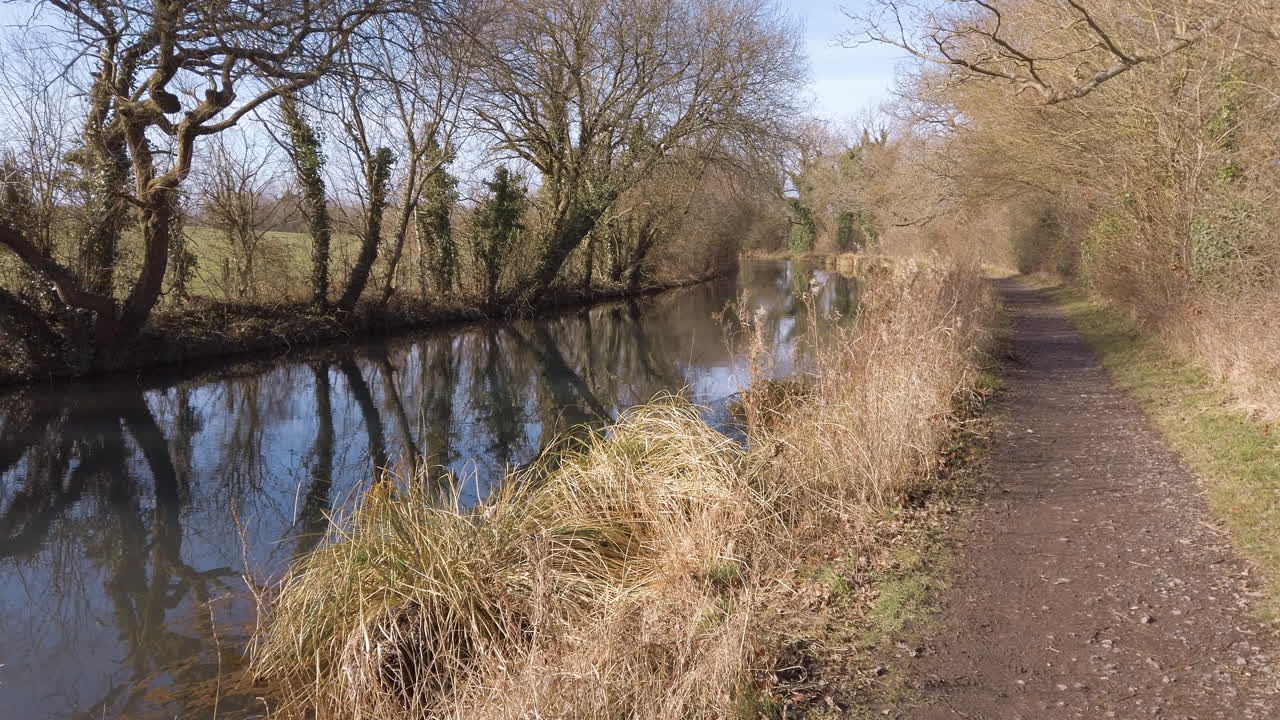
129 511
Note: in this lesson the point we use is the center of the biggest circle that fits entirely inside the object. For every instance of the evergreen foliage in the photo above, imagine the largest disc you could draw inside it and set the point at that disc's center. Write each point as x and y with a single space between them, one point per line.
439 256
308 161
498 224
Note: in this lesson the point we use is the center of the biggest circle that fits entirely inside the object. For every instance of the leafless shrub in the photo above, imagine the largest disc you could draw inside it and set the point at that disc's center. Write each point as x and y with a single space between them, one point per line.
1131 145
238 189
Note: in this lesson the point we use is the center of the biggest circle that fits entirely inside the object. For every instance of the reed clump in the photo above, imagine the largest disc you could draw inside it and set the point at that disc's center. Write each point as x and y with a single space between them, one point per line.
879 403
629 577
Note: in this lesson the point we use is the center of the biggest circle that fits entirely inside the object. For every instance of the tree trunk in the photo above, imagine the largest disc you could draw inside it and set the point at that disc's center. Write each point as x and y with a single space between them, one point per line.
69 292
99 248
645 243
360 272
107 158
403 220
157 228
614 237
568 234
397 251
591 262
246 279
377 173
320 265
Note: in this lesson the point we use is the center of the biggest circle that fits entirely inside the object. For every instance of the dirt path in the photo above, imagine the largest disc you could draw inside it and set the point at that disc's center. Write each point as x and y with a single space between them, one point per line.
1095 585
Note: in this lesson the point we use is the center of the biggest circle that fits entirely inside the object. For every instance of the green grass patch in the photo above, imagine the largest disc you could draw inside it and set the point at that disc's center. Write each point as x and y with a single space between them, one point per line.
1237 458
907 592
900 601
835 578
283 262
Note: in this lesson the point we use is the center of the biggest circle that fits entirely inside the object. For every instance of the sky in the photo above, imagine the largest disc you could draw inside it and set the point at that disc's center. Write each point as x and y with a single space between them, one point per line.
845 80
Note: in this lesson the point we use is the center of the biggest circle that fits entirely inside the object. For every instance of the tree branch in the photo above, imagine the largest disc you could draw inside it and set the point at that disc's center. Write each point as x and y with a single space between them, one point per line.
64 282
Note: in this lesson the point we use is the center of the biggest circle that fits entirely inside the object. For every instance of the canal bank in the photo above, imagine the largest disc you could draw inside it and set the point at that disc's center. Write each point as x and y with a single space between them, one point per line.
648 570
133 505
209 333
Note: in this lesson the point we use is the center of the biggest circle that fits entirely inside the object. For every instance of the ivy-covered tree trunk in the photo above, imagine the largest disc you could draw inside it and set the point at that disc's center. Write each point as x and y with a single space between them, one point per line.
437 248
845 239
159 217
572 227
497 227
308 161
104 159
377 174
870 229
803 229
108 213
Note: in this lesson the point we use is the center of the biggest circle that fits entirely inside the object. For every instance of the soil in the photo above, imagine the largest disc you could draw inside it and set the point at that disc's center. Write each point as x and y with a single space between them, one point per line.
206 333
1095 584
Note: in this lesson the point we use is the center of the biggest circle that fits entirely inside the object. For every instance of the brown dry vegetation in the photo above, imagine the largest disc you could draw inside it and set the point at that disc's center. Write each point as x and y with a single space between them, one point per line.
637 573
1128 145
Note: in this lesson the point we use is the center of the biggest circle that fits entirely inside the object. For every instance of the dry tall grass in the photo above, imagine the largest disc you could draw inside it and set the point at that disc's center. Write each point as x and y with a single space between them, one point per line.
1237 341
883 393
628 579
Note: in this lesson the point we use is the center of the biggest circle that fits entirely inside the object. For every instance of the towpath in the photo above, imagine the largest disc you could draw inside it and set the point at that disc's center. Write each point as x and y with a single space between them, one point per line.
1095 584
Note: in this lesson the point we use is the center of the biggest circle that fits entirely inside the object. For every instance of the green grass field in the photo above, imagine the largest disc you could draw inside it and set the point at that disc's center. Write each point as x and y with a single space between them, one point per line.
282 264
281 268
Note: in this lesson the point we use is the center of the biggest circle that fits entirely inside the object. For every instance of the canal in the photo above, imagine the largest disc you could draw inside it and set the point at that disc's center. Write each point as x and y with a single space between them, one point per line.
132 508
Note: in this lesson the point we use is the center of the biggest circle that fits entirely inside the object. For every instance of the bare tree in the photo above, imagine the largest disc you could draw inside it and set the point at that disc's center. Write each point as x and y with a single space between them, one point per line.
236 186
375 163
1004 39
426 88
140 134
595 93
38 137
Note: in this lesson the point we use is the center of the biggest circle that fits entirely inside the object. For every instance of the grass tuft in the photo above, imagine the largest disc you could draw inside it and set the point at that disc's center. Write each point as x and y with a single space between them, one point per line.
635 572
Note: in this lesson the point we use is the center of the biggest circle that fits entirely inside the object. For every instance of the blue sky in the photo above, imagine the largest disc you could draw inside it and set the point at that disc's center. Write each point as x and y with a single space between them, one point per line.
845 80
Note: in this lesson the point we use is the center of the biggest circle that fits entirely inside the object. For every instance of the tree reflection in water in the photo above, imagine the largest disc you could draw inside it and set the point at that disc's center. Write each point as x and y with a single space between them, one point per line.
130 510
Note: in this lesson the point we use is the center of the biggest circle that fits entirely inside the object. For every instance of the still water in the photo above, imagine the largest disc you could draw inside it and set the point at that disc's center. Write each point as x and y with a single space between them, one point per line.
131 509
